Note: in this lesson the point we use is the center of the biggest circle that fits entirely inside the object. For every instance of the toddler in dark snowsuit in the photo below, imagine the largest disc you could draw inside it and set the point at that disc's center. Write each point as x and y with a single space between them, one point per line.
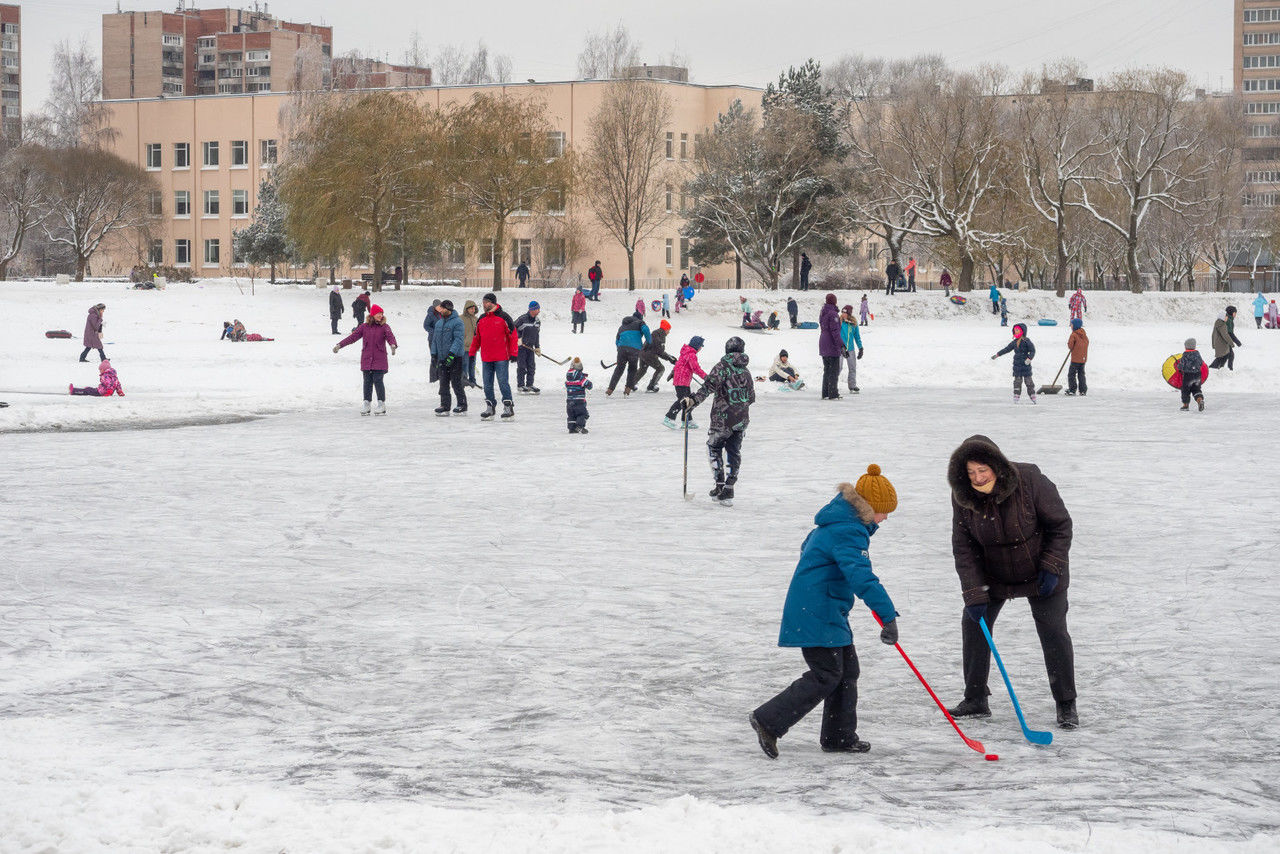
1190 366
576 385
1023 352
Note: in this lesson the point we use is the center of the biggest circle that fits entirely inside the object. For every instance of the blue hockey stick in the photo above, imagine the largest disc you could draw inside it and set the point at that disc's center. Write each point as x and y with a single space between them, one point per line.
1032 735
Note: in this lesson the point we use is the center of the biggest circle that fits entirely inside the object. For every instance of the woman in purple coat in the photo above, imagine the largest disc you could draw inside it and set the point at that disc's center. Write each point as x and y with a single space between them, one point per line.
830 348
375 335
93 333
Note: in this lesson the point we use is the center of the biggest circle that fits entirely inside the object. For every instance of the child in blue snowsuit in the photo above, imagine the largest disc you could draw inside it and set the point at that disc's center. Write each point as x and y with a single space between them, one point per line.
1004 312
1023 352
576 386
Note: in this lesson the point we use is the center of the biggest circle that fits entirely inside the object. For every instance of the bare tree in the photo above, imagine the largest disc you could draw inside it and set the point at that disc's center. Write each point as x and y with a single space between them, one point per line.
456 65
23 203
606 54
626 167
73 113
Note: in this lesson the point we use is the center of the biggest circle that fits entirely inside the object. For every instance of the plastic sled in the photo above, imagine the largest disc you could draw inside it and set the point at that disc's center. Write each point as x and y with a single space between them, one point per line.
57 333
1047 321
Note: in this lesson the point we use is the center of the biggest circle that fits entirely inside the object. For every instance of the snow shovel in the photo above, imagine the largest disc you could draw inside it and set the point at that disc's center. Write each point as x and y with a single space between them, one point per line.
1055 388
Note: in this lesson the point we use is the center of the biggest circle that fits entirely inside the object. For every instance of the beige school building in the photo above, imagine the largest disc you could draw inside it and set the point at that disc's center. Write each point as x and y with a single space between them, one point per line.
210 153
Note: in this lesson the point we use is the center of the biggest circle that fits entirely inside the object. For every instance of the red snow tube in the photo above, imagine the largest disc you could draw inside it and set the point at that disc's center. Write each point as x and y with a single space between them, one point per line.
57 333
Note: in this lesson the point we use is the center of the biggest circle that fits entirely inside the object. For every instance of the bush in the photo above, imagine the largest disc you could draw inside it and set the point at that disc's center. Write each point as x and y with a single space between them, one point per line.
870 281
145 273
836 280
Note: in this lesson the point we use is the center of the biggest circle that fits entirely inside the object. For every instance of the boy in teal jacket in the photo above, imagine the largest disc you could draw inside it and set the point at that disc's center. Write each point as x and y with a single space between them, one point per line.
834 568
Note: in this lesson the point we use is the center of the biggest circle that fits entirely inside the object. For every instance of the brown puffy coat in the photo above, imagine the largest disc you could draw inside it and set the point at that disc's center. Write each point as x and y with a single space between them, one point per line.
1001 541
1078 344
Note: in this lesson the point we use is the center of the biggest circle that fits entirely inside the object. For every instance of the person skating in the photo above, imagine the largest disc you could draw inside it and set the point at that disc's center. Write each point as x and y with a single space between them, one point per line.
578 311
374 336
529 328
833 571
1078 346
360 305
336 309
652 355
805 267
93 333
1077 305
864 311
470 314
1011 538
782 371
830 347
851 339
497 343
682 374
576 386
448 349
522 274
1191 366
734 391
429 324
891 273
633 334
1259 308
793 311
108 383
1023 352
1224 340
595 275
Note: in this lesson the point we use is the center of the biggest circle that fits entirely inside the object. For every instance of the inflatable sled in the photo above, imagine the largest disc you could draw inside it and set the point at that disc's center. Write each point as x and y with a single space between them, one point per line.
1047 321
655 306
57 333
1173 376
958 300
808 324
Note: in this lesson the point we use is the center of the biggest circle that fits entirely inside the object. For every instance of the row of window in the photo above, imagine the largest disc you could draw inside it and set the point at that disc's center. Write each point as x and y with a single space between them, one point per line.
1265 176
671 146
684 252
182 253
1262 84
212 203
1261 16
211 154
9 29
1261 38
1264 131
1269 60
1262 108
1261 200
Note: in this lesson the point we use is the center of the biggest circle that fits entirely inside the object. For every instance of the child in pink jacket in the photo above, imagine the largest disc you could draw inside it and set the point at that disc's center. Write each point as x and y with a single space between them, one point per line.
108 383
578 305
686 366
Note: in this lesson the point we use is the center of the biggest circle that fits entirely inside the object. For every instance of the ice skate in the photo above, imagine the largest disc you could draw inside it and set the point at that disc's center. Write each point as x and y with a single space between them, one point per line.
508 410
442 412
366 408
1067 717
967 708
381 408
459 410
489 407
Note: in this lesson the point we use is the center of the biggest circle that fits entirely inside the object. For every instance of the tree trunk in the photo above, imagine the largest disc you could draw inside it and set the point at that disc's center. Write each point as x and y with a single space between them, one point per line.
81 263
631 268
331 274
795 269
273 272
497 257
737 264
1060 272
1131 266
965 282
4 270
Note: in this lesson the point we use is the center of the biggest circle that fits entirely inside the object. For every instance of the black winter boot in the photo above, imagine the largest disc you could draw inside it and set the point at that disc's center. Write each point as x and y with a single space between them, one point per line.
856 747
726 496
1067 717
442 412
968 708
768 741
715 490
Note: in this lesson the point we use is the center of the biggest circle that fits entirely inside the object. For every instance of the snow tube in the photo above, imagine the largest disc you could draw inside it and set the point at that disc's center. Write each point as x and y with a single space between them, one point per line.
655 306
1173 376
958 300
1047 321
688 291
57 333
808 324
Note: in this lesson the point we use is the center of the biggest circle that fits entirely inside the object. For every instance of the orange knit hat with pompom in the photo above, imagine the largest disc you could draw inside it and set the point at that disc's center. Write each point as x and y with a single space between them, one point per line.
877 490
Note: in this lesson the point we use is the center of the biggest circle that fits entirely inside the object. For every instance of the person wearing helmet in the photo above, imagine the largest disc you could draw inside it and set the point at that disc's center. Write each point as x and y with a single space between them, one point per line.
734 391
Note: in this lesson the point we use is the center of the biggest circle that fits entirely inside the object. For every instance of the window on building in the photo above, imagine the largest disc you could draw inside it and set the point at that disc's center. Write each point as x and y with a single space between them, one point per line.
553 252
239 202
182 252
240 152
485 248
153 155
1264 176
684 253
258 56
683 203
210 154
671 251
182 155
267 152
1261 16
1262 108
212 252
555 200
155 253
1270 60
1264 131
182 203
555 144
671 146
171 40
521 250
1260 200
684 146
670 201
155 203
1261 38
212 204
458 253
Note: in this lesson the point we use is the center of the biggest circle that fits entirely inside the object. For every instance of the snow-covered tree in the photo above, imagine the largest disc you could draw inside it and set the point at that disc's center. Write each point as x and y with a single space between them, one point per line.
265 240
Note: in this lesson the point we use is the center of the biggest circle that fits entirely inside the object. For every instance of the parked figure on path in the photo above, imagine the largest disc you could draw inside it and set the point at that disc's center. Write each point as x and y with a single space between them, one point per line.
449 350
336 309
864 311
911 274
497 343
1023 352
805 266
108 383
522 274
1011 538
360 305
830 347
1078 346
374 337
1191 366
529 328
595 275
734 391
1225 340
945 281
793 311
1259 307
892 273
93 333
578 311
576 386
682 374
834 570
652 354
851 340
1078 305
632 336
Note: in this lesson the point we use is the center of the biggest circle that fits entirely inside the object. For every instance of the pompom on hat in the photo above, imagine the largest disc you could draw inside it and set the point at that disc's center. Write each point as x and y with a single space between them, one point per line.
877 490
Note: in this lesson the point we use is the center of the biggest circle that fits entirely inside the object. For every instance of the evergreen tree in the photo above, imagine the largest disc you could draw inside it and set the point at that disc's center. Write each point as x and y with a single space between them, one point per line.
265 240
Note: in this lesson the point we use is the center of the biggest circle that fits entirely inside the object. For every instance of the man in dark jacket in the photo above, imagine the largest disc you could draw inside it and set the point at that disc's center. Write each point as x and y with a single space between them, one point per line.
830 348
594 275
336 309
1011 537
892 273
449 353
793 311
805 266
735 391
632 336
522 274
529 328
360 305
652 354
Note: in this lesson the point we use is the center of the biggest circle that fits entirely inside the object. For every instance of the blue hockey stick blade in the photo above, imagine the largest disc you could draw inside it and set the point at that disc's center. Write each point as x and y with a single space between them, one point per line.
1034 736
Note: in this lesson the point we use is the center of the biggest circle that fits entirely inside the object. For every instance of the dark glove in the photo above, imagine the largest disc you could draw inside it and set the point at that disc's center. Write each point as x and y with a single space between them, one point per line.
844 352
449 360
1048 583
889 632
996 356
976 612
859 352
512 360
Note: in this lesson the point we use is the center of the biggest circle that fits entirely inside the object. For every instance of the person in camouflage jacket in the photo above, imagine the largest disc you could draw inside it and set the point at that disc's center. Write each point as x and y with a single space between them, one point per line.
734 391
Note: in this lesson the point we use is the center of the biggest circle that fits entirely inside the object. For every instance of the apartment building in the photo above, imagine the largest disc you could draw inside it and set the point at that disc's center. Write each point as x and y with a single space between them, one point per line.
1257 83
210 52
209 155
10 72
353 72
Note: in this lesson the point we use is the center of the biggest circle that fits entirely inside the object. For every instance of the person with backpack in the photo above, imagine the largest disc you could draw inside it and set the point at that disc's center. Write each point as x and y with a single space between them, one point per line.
360 305
595 275
735 391
497 344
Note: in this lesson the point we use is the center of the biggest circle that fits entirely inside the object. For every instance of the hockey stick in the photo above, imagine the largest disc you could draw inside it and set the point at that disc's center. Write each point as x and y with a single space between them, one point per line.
544 355
972 742
1032 735
685 416
606 367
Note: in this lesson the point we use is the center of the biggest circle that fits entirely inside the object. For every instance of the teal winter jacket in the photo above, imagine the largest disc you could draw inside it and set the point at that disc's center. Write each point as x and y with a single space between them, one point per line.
850 336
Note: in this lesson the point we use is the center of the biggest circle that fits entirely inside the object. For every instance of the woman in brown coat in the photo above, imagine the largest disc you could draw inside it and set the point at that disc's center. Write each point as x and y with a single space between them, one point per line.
93 333
1010 535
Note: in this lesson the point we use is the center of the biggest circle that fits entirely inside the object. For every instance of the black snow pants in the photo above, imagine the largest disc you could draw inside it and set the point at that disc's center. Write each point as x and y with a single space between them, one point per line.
647 361
830 377
682 391
1050 615
373 380
833 681
1190 388
526 365
576 413
1075 378
451 378
718 446
628 360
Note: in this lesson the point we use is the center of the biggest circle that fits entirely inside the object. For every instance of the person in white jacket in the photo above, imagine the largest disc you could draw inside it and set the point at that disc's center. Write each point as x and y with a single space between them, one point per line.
781 371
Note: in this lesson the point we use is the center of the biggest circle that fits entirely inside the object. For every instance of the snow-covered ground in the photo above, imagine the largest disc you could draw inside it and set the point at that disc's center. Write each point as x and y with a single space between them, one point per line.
320 632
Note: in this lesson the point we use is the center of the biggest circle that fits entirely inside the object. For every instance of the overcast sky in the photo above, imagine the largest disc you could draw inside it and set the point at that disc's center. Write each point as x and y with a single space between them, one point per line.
745 41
